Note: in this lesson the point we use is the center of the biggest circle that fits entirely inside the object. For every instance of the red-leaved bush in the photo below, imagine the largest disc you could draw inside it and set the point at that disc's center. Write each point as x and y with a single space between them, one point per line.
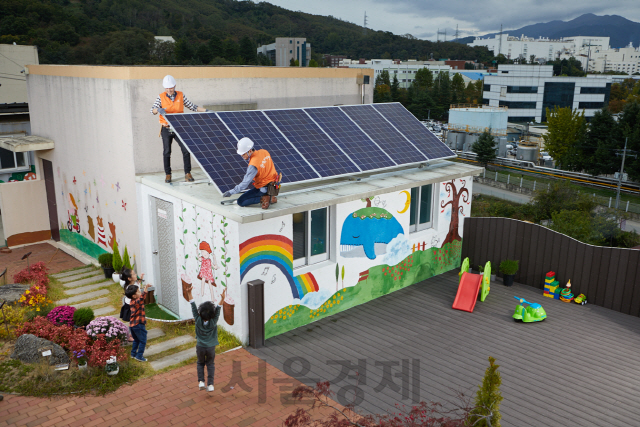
36 274
101 350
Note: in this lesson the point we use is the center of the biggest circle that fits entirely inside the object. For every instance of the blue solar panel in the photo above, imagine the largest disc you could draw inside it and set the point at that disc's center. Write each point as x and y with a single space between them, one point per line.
415 131
355 143
319 150
212 145
389 139
256 126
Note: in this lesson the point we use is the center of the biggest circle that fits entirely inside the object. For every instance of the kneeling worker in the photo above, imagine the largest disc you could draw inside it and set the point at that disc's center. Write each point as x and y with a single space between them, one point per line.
172 101
261 170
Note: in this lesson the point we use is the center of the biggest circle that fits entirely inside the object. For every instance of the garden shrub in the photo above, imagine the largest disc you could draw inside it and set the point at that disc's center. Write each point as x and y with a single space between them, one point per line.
62 315
36 275
35 298
83 316
15 317
126 259
117 260
110 327
106 260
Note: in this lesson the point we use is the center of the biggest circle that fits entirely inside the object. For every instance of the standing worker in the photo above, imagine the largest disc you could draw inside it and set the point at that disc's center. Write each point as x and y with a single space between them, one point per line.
262 171
170 102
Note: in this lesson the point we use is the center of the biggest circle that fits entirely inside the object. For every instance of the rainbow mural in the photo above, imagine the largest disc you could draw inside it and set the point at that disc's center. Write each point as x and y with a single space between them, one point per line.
275 250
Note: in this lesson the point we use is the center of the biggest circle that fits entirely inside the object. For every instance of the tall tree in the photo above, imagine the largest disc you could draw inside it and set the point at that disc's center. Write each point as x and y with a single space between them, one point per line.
248 51
566 129
184 51
630 128
596 155
457 88
424 78
395 86
485 148
216 47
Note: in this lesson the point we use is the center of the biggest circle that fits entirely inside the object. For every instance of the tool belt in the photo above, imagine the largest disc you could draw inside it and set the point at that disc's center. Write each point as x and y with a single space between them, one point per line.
273 188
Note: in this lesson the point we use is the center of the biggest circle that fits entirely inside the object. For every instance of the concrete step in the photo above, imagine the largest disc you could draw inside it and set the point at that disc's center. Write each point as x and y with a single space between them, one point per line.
92 303
86 276
155 333
104 311
168 345
73 272
86 281
88 288
83 297
174 359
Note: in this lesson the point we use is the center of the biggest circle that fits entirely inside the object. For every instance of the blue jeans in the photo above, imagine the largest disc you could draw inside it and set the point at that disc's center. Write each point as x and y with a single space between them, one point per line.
250 197
139 334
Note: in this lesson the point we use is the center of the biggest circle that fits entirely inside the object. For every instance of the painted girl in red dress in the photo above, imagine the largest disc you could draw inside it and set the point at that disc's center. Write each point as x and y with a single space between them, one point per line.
207 264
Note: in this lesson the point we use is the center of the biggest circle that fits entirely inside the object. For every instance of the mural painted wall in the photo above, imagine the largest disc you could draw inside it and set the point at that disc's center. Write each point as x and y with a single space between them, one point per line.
375 254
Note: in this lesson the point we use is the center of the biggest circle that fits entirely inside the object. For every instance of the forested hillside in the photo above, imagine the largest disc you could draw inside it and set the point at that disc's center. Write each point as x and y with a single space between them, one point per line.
209 31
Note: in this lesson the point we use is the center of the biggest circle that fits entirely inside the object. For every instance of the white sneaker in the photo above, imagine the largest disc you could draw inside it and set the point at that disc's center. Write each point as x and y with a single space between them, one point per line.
210 388
201 385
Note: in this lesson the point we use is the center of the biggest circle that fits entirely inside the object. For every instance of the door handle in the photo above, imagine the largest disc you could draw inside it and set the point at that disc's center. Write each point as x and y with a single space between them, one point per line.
155 252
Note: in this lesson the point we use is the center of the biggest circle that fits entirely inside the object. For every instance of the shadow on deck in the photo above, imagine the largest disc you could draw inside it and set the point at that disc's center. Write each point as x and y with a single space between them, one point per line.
579 367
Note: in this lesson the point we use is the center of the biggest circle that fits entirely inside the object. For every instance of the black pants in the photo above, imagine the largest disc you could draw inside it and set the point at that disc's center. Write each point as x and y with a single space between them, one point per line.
206 356
167 137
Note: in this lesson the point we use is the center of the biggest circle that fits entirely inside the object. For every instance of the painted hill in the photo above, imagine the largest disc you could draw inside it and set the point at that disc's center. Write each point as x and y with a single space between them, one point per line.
619 29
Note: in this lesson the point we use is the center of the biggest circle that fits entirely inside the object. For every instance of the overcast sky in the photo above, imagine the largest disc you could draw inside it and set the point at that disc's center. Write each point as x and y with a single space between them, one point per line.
422 18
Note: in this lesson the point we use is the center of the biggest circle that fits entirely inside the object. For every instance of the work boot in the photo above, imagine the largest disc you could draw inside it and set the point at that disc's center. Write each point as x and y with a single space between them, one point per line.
188 177
274 200
167 178
265 201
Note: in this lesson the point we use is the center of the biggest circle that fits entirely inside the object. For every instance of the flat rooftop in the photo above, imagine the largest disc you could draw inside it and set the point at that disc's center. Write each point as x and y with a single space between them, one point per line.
579 367
302 197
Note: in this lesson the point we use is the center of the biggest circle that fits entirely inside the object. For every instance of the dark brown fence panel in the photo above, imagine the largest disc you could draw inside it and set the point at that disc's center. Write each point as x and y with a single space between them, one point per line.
609 277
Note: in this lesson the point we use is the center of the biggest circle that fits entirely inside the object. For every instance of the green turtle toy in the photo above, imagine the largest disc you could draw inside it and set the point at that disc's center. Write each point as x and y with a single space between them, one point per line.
532 313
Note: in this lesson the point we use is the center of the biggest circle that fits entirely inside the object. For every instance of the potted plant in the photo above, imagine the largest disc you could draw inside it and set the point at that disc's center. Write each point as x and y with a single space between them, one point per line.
81 358
112 367
117 263
509 268
106 262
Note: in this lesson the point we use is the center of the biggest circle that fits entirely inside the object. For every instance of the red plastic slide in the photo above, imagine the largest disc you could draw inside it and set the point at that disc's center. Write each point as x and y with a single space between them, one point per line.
468 292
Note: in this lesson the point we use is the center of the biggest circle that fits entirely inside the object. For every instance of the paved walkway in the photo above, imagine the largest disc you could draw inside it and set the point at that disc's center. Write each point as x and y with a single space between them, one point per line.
172 398
39 252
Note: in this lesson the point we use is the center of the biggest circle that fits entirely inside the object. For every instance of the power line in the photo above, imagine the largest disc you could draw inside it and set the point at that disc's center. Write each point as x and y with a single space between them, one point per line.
13 78
21 66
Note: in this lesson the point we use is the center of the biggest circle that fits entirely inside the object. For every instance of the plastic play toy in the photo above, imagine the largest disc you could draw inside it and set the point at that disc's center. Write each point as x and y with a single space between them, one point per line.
532 313
580 299
565 294
551 286
470 286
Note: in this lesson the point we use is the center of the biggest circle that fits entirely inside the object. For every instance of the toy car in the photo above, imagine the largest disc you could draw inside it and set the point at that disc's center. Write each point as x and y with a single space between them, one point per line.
580 299
532 313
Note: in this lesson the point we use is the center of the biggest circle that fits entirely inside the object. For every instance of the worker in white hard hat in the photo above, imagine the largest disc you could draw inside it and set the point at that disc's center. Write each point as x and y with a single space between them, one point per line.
262 172
170 102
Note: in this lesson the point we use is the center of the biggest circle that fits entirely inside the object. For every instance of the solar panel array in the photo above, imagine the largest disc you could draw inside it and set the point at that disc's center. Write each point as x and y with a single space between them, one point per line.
308 144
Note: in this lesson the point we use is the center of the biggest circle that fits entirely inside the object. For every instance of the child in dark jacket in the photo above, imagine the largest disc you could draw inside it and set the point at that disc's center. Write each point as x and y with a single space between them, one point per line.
206 317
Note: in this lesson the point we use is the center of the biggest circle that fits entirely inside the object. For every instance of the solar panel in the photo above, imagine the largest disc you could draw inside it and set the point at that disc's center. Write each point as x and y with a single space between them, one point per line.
415 131
355 143
256 126
213 146
388 138
319 150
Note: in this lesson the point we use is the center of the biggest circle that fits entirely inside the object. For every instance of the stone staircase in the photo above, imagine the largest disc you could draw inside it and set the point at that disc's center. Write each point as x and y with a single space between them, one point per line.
87 287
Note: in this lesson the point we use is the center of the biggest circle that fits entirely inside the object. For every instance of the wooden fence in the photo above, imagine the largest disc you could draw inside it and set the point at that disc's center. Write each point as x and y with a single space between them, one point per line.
609 277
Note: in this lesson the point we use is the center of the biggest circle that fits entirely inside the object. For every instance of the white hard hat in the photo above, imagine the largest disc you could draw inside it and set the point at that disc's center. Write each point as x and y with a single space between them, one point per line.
168 82
244 145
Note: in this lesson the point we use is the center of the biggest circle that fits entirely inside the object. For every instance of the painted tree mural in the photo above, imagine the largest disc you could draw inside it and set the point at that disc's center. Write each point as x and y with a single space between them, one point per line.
456 208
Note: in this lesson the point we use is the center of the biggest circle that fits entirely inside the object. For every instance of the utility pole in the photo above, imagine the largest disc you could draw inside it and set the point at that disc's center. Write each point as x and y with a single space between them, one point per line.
365 22
500 42
624 155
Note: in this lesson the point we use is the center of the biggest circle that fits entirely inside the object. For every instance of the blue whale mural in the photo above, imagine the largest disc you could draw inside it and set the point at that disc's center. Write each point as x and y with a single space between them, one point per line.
365 228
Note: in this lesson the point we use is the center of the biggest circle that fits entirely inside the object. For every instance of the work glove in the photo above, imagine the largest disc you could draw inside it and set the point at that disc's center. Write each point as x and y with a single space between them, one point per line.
227 194
162 111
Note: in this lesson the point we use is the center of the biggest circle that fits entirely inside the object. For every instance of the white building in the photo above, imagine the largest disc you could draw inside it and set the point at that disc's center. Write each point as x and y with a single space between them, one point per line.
626 60
528 90
406 71
285 49
541 48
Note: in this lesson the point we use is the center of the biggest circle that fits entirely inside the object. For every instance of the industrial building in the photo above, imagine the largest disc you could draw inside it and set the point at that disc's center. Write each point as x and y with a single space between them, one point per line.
286 49
528 90
468 121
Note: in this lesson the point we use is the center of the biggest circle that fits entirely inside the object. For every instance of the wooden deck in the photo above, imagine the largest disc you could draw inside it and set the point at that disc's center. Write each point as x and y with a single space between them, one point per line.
579 367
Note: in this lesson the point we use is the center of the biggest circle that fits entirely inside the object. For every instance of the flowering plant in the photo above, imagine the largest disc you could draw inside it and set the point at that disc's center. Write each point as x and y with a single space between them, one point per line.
62 315
109 326
81 357
36 274
35 297
63 335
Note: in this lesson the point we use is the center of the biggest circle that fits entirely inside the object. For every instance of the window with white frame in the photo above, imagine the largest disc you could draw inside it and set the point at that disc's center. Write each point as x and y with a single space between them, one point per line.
310 237
421 208
13 162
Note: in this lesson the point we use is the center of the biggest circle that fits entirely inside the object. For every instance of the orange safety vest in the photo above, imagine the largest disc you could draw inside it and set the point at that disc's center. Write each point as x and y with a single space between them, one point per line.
261 159
171 107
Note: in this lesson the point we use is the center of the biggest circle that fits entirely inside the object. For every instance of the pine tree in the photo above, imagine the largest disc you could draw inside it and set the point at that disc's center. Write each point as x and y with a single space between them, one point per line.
487 403
126 259
485 148
117 260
